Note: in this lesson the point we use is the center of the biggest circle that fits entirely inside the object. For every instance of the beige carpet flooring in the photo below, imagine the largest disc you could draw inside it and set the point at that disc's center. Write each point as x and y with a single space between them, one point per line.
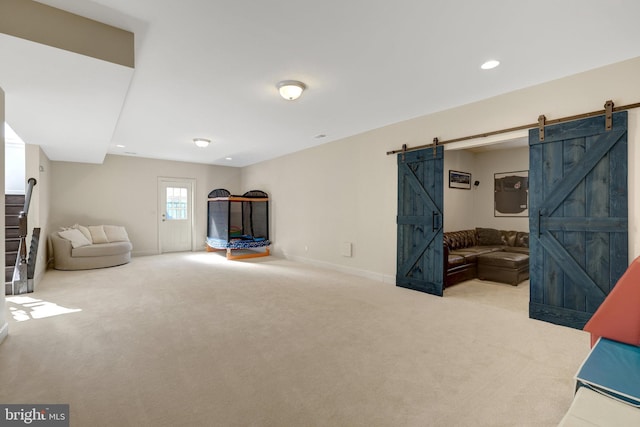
192 339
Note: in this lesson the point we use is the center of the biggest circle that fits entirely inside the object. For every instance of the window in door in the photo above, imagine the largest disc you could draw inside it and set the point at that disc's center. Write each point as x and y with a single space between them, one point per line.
177 203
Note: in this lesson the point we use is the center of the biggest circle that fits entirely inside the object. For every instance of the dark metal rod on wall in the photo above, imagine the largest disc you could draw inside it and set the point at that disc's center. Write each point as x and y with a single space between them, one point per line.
513 129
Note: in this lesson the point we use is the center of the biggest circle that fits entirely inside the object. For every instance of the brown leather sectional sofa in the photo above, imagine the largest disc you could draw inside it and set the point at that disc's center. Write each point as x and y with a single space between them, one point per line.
487 254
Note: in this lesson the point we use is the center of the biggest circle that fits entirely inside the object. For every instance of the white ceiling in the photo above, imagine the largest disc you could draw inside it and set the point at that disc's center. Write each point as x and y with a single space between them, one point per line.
208 69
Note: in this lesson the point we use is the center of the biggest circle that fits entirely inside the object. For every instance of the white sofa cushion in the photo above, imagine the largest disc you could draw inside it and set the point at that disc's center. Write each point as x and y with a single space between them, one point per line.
76 238
102 250
116 233
84 231
97 234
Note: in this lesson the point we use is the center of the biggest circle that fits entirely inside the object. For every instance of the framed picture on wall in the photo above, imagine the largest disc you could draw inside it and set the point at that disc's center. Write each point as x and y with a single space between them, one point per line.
460 180
511 193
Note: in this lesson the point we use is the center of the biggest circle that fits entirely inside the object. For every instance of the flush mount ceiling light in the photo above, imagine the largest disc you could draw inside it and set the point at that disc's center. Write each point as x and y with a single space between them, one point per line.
290 89
201 142
492 63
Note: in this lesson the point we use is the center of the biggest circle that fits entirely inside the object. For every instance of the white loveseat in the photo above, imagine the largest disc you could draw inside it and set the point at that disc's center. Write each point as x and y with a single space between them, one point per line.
82 248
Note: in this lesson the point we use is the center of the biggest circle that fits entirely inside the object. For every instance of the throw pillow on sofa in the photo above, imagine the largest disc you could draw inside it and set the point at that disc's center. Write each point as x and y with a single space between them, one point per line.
75 236
97 234
522 239
508 237
116 233
489 237
84 230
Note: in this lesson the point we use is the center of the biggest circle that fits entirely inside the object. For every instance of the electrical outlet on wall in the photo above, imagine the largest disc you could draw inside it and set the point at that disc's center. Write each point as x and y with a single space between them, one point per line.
346 249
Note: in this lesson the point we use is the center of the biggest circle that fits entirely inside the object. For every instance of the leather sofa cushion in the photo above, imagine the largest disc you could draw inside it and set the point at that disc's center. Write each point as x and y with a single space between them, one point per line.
471 258
517 250
455 260
478 250
460 239
504 259
468 256
484 236
489 237
471 254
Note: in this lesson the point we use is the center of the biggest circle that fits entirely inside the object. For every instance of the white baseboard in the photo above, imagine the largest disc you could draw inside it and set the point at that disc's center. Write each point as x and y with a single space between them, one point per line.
378 277
4 331
144 253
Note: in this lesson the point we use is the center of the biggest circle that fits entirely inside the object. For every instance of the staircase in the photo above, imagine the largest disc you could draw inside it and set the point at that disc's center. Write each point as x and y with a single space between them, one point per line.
14 203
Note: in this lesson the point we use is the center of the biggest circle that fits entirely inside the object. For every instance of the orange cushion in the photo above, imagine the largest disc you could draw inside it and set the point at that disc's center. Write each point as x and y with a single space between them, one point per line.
618 317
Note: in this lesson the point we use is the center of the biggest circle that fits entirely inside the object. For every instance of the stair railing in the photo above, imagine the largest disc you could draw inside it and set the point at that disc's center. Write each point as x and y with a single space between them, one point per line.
20 283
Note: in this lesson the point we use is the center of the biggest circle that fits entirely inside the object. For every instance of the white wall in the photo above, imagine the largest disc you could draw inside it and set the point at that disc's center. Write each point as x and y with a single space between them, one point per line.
459 213
4 326
486 164
328 195
346 190
468 209
124 191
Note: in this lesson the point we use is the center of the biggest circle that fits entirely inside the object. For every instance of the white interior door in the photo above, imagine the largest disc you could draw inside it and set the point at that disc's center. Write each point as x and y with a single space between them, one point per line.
176 221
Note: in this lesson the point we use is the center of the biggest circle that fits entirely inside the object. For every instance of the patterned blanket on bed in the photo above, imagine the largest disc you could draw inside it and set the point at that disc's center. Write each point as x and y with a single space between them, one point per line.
237 243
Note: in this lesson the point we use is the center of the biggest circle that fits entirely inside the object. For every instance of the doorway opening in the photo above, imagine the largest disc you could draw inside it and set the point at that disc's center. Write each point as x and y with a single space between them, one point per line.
489 162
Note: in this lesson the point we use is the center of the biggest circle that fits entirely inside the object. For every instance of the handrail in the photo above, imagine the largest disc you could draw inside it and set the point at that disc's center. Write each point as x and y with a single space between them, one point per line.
20 282
22 218
31 182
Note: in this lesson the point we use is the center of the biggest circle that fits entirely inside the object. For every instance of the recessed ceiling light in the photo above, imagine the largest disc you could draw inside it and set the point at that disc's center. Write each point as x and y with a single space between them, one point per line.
228 158
492 63
119 145
201 142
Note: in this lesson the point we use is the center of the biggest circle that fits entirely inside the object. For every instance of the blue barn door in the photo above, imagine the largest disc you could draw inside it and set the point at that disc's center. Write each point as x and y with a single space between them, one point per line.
420 252
577 217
